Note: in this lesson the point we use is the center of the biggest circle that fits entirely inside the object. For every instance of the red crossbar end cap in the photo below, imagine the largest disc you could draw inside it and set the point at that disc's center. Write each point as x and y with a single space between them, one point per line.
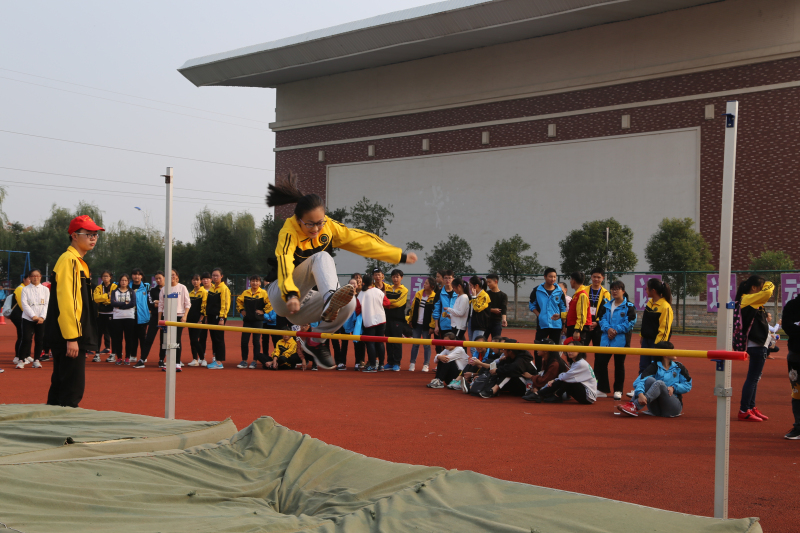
726 355
162 322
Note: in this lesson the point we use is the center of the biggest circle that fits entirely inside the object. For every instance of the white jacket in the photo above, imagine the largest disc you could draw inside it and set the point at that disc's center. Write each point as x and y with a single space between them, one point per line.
372 301
581 372
34 301
184 302
458 355
459 313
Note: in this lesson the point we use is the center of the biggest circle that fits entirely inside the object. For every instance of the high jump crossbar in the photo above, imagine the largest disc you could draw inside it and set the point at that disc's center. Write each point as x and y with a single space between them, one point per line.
717 355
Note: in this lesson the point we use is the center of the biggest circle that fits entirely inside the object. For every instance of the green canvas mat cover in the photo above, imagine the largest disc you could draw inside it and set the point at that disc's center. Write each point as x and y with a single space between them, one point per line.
269 478
43 432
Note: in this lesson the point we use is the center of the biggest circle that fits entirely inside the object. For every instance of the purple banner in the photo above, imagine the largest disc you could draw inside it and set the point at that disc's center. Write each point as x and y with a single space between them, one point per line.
712 292
417 282
790 286
640 289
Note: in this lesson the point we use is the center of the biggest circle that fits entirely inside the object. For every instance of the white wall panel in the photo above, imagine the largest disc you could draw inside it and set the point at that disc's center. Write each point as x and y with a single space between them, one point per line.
540 191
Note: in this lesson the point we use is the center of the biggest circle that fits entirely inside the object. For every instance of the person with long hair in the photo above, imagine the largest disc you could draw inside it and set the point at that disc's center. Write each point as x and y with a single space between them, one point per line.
578 316
218 303
552 365
104 313
791 325
16 317
302 266
197 342
34 301
449 363
183 304
420 319
616 318
479 300
370 305
751 296
459 312
123 302
656 320
510 374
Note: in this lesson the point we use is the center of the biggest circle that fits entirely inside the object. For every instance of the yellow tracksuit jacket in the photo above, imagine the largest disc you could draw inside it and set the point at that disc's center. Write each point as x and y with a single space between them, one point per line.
250 302
580 307
659 311
294 247
218 301
398 299
70 273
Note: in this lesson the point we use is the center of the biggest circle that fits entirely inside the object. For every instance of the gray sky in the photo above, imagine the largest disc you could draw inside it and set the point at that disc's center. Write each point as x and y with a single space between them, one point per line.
135 48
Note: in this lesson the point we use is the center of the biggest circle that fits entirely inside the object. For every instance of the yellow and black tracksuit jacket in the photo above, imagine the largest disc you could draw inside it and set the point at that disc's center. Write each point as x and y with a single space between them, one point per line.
398 299
603 297
197 299
218 301
71 313
480 311
657 321
294 247
250 302
16 303
579 305
754 316
102 297
284 351
427 316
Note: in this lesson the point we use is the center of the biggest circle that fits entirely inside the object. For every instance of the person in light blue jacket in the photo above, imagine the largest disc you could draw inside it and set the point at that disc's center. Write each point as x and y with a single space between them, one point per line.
446 298
547 300
616 319
660 387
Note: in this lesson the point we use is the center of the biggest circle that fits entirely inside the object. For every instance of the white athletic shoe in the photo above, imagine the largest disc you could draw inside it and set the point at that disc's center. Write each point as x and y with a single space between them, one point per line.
411 367
36 364
618 395
203 363
424 368
1 370
28 360
16 360
602 394
629 394
21 365
194 362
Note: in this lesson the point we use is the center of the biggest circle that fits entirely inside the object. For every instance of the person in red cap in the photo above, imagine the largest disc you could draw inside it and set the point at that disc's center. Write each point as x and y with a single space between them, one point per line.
71 327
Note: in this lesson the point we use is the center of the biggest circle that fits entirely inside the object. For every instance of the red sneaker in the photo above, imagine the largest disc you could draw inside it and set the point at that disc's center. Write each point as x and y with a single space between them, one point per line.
759 414
629 409
749 416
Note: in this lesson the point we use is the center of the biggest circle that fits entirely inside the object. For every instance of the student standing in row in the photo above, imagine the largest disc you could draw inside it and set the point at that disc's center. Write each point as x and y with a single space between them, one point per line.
459 312
616 319
183 304
420 319
371 303
751 295
546 302
123 303
498 308
105 313
153 327
479 300
218 303
791 325
145 314
197 342
16 316
445 298
35 299
578 316
397 295
340 347
598 296
72 326
252 304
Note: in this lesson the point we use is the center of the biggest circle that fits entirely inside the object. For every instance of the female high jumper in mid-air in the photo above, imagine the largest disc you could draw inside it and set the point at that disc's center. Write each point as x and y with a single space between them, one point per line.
307 289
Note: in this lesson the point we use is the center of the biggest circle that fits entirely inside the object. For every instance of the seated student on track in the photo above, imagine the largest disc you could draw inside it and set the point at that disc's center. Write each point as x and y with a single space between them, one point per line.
660 387
285 356
511 372
578 382
302 267
616 319
552 366
479 363
449 363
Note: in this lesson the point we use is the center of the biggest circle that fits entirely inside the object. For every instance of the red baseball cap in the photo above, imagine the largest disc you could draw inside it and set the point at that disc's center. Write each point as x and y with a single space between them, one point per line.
83 222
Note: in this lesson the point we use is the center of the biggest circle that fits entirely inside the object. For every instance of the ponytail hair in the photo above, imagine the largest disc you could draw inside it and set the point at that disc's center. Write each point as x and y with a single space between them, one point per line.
285 192
747 285
480 282
662 289
618 284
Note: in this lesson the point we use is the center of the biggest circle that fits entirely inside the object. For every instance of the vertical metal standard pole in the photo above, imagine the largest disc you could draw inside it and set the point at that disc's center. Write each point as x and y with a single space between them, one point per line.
170 306
722 380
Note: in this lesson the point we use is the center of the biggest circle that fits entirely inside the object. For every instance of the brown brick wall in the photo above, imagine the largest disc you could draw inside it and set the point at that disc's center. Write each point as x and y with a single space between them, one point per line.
768 158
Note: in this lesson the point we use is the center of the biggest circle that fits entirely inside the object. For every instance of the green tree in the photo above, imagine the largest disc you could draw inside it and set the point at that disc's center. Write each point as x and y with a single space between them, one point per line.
508 261
374 218
268 241
226 240
677 246
584 249
772 260
122 248
454 254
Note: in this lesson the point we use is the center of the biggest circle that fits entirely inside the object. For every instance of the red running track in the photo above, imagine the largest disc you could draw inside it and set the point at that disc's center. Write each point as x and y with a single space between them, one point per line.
664 463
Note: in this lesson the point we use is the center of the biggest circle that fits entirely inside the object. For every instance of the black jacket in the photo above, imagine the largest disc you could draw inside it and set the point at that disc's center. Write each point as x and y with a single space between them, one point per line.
758 318
791 315
514 368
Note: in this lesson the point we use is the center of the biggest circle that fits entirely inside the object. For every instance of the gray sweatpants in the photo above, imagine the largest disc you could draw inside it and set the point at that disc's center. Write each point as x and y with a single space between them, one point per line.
318 270
659 402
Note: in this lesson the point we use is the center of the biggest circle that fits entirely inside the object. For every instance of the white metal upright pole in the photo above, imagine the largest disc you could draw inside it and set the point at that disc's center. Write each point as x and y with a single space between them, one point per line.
722 380
170 306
